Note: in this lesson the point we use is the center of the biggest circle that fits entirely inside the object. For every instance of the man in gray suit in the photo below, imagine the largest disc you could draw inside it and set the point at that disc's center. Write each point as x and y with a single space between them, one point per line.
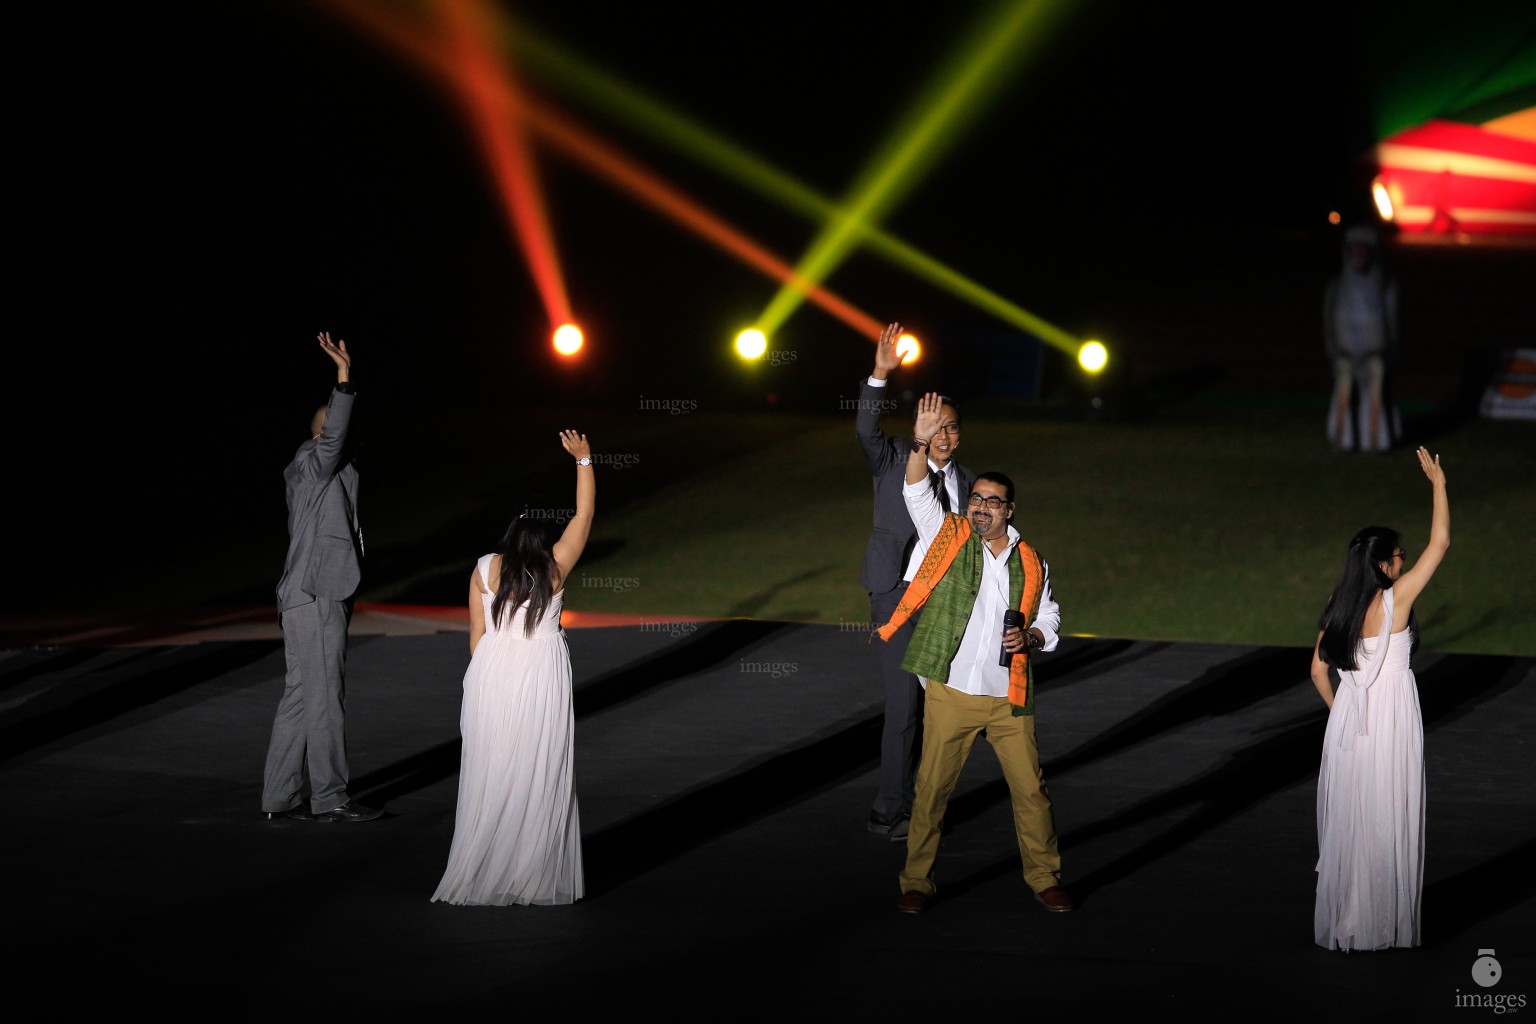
314 600
891 557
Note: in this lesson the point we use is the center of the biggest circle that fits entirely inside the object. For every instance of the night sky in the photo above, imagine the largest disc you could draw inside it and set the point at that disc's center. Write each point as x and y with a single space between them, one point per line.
203 186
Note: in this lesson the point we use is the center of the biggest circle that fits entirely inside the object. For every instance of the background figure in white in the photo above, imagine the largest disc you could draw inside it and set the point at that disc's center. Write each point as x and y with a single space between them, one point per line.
1370 787
517 830
1360 331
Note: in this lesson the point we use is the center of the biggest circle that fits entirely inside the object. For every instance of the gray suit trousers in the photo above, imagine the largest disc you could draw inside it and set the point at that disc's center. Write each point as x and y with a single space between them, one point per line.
308 731
901 740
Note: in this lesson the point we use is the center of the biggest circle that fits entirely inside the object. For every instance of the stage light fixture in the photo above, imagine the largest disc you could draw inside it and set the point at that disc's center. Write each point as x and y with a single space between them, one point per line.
751 343
568 339
909 348
1093 356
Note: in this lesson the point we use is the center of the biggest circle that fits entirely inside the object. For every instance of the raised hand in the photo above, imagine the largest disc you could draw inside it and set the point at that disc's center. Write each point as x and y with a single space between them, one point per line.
886 358
575 443
1431 467
337 350
930 413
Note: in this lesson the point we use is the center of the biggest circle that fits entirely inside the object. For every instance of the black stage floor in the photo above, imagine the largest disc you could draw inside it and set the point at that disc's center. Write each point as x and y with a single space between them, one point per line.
724 771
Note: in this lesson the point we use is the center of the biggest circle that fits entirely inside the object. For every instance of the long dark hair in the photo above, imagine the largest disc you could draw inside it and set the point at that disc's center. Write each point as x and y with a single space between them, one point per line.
1361 580
528 568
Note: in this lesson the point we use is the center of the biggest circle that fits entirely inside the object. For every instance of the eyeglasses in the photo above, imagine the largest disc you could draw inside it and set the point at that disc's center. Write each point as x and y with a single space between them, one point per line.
1399 553
993 503
948 428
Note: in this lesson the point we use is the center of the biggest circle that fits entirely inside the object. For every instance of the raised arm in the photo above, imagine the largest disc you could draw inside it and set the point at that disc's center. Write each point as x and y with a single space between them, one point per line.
886 358
332 422
930 411
1412 582
573 541
878 456
922 505
339 355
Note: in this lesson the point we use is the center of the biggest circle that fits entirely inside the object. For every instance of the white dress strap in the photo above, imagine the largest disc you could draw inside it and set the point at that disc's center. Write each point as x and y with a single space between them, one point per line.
1354 684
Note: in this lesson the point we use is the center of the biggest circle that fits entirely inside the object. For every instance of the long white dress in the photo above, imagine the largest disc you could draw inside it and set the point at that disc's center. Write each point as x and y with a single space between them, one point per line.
517 832
1370 801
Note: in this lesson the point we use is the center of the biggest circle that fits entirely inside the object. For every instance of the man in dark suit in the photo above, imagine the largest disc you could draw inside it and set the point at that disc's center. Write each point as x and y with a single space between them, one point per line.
891 556
320 577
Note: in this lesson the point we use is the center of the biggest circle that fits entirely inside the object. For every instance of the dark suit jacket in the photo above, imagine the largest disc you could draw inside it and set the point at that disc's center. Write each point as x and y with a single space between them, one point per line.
324 545
886 459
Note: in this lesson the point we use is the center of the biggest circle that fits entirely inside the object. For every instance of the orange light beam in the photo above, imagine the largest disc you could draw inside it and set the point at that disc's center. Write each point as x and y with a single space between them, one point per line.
561 130
490 93
482 83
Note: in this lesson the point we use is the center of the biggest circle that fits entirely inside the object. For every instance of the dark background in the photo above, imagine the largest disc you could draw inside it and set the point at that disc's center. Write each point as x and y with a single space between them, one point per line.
202 187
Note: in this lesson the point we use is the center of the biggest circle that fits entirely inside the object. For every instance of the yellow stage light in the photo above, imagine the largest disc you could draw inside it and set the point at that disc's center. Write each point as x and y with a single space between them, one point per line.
1092 356
909 349
751 343
568 339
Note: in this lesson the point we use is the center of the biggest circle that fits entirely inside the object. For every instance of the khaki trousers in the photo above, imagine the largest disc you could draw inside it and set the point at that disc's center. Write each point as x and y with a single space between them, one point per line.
951 722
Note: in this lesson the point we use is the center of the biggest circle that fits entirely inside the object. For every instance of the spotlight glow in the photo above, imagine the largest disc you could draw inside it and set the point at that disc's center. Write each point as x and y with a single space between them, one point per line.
1383 200
568 339
751 343
1093 356
909 349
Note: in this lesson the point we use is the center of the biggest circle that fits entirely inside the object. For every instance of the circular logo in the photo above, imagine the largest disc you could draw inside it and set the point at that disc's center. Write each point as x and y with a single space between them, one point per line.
1486 970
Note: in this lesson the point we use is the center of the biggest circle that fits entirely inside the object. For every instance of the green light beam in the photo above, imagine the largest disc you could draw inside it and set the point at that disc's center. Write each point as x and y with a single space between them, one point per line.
627 103
917 143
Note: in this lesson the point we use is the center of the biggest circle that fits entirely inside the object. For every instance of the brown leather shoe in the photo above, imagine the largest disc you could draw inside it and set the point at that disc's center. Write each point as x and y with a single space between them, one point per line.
913 902
1054 900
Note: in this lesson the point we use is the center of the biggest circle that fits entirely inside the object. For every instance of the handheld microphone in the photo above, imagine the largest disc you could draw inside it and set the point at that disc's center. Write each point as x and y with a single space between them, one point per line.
1012 617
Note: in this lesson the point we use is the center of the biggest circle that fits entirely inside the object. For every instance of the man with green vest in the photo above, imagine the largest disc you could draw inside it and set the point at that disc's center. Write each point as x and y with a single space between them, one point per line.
978 586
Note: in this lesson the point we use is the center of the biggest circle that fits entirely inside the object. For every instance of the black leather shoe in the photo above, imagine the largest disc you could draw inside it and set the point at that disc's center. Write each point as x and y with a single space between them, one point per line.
350 811
895 829
299 813
913 902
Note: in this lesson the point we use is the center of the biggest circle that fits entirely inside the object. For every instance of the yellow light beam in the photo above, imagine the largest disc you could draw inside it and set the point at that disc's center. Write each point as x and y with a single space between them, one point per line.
917 143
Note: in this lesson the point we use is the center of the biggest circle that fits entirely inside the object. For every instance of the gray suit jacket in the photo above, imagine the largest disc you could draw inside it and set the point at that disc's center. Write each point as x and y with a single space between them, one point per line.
886 458
324 544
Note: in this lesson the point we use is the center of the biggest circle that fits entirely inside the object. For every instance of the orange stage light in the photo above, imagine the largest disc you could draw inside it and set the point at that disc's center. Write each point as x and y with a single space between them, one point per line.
568 339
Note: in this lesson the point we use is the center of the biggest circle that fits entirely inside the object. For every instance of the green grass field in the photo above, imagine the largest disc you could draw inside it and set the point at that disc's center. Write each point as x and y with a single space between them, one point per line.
1223 524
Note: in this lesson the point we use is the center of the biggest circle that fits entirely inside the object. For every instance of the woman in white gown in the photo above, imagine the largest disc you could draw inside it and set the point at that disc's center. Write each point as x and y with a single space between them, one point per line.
1370 787
516 832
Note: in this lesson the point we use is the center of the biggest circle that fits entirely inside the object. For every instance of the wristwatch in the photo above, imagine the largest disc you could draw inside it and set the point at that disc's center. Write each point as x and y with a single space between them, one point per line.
584 461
